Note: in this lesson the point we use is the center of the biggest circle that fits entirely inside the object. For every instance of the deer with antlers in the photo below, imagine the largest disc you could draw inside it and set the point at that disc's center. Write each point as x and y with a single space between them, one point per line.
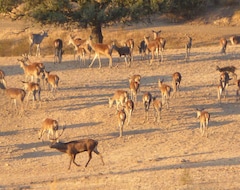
37 39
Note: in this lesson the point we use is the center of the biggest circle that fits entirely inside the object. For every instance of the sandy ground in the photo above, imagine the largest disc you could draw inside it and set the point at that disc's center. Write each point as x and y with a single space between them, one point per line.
166 155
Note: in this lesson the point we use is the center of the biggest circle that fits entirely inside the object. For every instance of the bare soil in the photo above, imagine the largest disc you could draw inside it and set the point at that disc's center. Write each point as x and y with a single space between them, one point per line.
166 155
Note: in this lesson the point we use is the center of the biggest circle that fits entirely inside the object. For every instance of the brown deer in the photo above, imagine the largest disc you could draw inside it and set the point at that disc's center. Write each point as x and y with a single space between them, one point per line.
52 80
204 117
188 46
72 148
157 106
165 91
146 99
2 78
121 115
235 40
51 127
153 47
120 97
58 50
32 88
223 43
176 80
129 107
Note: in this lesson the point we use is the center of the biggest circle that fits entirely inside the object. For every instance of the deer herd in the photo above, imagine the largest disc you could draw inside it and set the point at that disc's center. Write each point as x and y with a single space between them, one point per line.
36 77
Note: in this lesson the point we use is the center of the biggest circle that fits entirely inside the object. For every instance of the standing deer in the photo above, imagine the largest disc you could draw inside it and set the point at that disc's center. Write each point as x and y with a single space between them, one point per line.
142 49
165 91
157 106
223 44
103 49
224 82
153 47
58 51
146 99
235 40
52 80
130 44
204 117
72 148
32 88
161 41
133 90
188 47
129 107
125 51
176 80
121 115
37 39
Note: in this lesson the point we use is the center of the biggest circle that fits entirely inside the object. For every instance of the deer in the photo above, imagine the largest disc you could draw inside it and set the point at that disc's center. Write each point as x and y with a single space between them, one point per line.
228 69
223 43
130 43
142 49
153 47
32 88
2 78
133 91
128 108
125 51
238 89
162 42
103 49
30 70
37 39
176 80
136 78
188 47
120 97
17 95
52 80
146 99
165 91
235 40
204 118
49 126
157 106
81 52
224 82
72 148
58 50
121 115
79 43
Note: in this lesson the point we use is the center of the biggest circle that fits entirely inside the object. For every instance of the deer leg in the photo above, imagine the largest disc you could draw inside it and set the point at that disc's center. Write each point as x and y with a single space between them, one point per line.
93 60
90 157
99 154
73 159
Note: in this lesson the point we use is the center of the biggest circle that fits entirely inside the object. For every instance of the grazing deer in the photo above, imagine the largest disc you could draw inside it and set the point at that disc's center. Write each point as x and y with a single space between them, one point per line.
58 50
146 99
121 115
142 49
129 107
52 80
176 80
2 78
72 148
235 40
153 47
130 43
204 117
51 127
120 97
30 70
165 91
223 44
188 47
32 88
17 95
133 90
37 39
238 89
99 48
157 106
125 51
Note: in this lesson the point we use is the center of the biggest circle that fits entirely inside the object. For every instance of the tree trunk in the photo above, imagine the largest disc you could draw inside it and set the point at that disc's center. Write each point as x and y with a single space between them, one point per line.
97 33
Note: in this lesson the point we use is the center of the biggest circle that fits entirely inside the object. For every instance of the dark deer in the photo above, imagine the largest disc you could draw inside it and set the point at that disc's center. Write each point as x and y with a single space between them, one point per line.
58 45
72 148
37 39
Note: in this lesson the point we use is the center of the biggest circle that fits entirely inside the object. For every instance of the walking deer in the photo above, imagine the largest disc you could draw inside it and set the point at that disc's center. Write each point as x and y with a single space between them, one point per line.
133 90
52 80
100 49
223 44
146 99
120 97
204 118
165 91
49 126
37 39
176 80
58 50
130 44
222 87
72 148
129 107
121 115
125 51
142 49
136 78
